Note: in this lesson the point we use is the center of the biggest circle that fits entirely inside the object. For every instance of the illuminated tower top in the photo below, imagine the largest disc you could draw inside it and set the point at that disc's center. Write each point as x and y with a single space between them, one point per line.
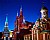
6 30
21 11
17 13
6 22
44 11
21 15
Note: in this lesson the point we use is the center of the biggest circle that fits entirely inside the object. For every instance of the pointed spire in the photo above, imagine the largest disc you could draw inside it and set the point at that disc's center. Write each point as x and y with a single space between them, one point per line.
17 13
21 8
6 21
21 13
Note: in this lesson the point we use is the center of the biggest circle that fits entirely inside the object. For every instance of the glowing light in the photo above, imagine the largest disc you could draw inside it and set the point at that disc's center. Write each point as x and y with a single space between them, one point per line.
24 20
17 13
21 8
11 33
6 19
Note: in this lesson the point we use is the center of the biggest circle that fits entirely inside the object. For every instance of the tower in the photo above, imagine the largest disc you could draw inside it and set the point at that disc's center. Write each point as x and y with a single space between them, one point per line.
21 11
21 15
44 12
16 22
16 27
44 17
6 30
6 22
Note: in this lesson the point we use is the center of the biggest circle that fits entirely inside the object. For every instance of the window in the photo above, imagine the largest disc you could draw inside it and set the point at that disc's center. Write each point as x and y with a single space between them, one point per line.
48 37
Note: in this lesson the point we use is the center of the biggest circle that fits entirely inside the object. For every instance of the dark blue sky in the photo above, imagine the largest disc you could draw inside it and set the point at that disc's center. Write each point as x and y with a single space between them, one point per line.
31 10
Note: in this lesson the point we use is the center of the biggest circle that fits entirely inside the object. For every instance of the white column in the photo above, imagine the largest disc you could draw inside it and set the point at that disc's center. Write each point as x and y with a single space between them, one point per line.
32 33
29 37
24 37
8 38
37 34
4 38
43 36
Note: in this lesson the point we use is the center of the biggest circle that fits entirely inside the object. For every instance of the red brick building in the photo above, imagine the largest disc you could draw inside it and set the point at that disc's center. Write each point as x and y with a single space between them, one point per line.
24 30
22 27
41 28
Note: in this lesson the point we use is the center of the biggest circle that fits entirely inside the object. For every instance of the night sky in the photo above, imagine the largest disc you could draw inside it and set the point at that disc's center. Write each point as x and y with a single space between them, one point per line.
31 10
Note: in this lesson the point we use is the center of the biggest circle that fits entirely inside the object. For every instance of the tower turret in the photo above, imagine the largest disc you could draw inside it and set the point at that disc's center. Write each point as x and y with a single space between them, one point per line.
6 30
17 13
44 12
6 22
21 15
21 11
16 22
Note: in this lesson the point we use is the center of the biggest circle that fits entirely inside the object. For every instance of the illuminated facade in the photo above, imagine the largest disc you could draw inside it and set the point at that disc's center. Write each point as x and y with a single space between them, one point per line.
22 27
6 31
11 34
41 28
24 30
